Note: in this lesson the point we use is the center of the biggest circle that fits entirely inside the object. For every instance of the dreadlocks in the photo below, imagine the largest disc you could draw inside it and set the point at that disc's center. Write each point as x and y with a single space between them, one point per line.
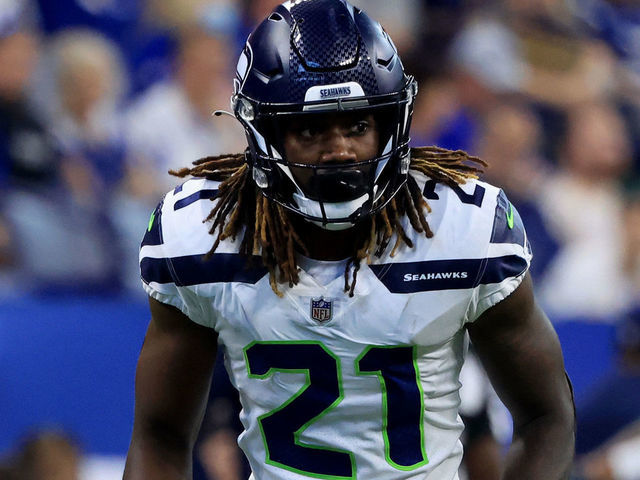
268 232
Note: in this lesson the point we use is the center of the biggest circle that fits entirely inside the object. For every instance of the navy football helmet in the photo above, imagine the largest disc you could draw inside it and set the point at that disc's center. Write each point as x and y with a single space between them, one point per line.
311 57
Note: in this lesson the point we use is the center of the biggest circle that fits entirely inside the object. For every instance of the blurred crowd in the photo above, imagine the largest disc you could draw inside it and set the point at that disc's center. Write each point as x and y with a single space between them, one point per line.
99 99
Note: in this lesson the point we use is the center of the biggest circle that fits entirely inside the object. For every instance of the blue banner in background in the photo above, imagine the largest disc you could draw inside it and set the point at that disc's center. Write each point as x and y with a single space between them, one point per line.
69 363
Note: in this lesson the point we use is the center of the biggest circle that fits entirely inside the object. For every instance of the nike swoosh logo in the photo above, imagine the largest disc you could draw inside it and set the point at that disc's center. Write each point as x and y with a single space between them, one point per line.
510 217
151 220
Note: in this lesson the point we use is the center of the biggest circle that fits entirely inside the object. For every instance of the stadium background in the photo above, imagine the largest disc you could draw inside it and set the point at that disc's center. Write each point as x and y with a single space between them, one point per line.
99 98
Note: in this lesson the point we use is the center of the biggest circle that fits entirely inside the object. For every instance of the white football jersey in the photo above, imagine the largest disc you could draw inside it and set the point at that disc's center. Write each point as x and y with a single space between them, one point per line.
339 387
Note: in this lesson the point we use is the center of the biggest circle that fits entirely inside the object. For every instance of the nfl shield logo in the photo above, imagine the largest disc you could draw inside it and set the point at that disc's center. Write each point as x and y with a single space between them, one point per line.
320 310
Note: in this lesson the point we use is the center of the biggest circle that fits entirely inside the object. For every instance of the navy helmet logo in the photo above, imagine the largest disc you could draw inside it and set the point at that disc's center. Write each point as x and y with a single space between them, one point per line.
321 310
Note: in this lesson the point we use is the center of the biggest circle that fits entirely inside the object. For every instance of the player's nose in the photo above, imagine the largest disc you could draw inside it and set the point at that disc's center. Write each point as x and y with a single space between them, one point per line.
337 147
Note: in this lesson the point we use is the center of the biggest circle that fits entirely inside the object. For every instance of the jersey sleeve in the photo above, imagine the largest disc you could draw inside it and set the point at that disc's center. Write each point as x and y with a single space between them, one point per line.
158 275
507 260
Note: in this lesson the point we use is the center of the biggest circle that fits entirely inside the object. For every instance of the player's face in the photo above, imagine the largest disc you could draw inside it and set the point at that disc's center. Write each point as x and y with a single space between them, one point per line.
331 140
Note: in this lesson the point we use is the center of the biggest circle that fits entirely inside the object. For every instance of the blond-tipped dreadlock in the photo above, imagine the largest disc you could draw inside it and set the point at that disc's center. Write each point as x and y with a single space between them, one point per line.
268 231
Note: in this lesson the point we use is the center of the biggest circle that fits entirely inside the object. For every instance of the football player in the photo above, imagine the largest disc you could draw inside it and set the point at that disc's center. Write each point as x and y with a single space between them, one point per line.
343 272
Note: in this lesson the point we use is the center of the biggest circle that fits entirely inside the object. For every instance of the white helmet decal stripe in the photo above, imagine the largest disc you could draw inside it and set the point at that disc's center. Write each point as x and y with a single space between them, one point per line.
383 163
245 62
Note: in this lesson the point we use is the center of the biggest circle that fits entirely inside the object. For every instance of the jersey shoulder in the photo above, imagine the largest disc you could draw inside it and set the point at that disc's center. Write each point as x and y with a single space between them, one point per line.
489 231
478 240
177 223
177 239
473 215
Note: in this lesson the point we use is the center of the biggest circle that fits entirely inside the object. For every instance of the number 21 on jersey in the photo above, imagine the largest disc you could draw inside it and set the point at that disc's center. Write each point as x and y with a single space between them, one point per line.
402 405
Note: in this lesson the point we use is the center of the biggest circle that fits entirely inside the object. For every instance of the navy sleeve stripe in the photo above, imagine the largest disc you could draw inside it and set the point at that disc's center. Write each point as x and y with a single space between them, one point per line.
503 231
155 270
437 275
195 270
194 197
501 268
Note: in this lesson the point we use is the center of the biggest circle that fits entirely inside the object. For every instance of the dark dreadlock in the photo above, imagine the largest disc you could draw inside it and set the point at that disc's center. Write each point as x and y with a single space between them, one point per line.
268 230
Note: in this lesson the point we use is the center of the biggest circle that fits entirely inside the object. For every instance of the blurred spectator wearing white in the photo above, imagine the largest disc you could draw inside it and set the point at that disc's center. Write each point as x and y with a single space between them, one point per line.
583 207
171 125
89 84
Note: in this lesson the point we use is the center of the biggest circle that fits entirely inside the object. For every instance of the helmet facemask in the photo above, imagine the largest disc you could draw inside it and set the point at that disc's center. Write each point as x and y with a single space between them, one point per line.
334 196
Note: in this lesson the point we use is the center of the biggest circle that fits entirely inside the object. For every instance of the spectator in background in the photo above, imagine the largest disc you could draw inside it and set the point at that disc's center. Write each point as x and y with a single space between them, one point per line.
184 105
483 66
170 124
617 23
90 84
26 152
89 80
28 158
514 47
583 206
511 141
565 67
83 120
145 45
